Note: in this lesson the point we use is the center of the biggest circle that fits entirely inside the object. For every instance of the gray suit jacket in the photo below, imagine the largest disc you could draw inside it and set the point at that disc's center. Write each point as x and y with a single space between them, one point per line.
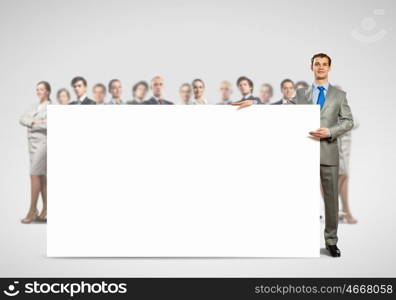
335 115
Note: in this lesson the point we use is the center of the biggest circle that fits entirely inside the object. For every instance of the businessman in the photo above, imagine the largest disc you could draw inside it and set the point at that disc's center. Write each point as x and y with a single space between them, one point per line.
157 86
79 85
99 93
266 93
288 90
335 120
225 93
115 90
139 91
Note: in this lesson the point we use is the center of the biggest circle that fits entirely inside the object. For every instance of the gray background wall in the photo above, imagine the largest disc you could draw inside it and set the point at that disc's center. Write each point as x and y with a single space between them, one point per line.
214 40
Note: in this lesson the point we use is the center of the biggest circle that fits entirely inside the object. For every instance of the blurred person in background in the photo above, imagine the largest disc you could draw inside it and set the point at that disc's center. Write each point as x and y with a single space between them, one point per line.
63 96
266 93
225 92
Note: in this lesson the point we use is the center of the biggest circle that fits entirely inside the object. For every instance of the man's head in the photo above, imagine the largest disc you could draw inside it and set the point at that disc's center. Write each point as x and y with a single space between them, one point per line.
321 66
185 93
245 85
139 90
79 85
115 88
198 87
287 89
225 90
99 93
266 93
157 86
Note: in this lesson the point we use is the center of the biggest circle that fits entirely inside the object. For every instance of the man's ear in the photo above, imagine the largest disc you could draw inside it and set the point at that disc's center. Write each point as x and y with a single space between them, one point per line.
311 67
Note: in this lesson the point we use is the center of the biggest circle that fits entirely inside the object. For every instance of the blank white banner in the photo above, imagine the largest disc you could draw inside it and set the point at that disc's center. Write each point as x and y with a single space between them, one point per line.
183 181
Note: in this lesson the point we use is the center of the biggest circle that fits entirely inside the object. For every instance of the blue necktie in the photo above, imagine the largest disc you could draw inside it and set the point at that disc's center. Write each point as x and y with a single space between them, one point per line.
321 97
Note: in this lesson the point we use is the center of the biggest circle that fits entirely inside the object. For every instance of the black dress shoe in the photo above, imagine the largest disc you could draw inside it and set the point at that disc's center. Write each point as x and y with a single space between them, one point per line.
334 251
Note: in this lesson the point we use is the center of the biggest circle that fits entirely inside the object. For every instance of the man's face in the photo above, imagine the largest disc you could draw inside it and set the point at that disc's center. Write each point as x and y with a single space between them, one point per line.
198 89
140 92
157 85
79 88
288 90
116 90
321 68
98 94
244 87
185 94
225 91
265 94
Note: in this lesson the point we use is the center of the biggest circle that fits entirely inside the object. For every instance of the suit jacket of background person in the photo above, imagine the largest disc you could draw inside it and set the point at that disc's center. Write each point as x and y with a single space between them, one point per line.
135 102
335 115
86 101
280 102
152 100
256 100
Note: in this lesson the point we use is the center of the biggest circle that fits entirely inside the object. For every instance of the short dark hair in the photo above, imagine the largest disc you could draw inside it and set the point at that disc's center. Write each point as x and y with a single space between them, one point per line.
286 81
303 83
61 91
270 88
136 85
100 85
250 82
198 80
320 55
112 81
77 79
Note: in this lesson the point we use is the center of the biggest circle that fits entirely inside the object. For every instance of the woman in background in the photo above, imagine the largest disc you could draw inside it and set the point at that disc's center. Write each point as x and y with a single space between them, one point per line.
63 96
185 94
36 122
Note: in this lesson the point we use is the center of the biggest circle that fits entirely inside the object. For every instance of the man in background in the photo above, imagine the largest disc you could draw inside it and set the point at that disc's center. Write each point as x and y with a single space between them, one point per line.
335 120
157 86
115 90
301 85
139 92
99 93
266 93
288 91
225 92
185 92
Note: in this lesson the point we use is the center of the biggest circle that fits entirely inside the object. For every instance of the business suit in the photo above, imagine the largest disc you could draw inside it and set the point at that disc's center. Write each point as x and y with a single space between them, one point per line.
280 102
335 115
37 137
154 101
255 100
86 101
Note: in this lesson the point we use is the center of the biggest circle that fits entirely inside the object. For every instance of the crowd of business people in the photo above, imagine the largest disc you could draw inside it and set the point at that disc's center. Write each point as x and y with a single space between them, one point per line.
189 93
337 125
